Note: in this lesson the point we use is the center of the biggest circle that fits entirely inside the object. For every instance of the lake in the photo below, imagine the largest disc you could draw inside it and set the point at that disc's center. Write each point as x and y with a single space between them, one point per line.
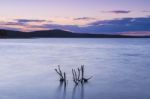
120 68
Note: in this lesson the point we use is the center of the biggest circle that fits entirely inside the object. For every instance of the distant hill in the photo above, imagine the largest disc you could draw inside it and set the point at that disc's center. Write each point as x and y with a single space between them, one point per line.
58 34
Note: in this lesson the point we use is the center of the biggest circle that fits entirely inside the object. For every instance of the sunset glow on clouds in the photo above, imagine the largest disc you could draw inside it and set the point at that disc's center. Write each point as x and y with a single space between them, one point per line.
75 15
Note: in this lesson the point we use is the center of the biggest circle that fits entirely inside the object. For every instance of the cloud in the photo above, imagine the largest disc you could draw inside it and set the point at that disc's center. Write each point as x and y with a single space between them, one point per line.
114 26
137 33
11 23
23 24
106 26
123 25
30 20
118 11
84 18
147 11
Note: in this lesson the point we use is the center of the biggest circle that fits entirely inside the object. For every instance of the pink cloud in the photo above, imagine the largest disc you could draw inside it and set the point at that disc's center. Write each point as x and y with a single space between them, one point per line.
137 33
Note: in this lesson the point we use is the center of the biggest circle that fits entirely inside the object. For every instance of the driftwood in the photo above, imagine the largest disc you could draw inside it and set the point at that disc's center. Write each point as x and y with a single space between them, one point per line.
83 78
78 75
61 75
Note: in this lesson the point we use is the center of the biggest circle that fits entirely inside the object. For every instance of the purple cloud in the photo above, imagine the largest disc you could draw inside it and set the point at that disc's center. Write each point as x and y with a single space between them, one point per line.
85 18
118 11
11 23
30 20
147 11
22 22
107 26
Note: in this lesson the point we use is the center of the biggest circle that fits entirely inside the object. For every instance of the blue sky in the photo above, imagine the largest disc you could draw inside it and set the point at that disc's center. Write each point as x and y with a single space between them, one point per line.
74 15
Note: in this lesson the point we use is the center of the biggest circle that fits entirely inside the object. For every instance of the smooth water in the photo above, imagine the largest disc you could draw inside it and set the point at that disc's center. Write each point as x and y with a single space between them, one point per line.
120 68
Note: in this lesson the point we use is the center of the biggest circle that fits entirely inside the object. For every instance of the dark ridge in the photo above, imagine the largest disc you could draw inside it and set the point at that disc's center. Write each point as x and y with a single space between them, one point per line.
58 34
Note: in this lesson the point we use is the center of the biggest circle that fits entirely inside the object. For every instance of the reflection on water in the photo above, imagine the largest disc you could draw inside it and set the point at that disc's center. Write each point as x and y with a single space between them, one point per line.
74 91
77 92
80 90
61 91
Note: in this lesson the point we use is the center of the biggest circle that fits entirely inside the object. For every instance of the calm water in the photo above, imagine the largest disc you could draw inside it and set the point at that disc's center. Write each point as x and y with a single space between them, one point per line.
120 68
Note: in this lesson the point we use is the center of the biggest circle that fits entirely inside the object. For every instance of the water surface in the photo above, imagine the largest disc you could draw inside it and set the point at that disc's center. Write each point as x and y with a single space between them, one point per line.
120 68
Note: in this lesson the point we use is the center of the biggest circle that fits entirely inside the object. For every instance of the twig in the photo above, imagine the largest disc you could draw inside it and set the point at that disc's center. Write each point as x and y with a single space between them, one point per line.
78 76
61 75
74 76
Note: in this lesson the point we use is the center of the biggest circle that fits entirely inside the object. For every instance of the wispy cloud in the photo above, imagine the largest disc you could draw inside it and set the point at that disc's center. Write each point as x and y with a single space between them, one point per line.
137 33
30 20
84 18
11 23
146 11
22 25
118 11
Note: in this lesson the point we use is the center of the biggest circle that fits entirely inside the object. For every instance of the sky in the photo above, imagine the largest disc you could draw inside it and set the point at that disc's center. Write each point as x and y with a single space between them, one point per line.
76 15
